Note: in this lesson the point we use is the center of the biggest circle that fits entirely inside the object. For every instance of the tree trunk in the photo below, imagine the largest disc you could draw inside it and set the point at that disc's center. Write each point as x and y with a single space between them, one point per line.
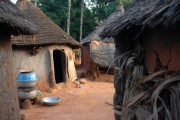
81 20
36 2
81 26
69 17
9 106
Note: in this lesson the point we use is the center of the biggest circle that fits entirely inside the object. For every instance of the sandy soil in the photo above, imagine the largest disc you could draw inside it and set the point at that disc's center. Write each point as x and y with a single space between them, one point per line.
85 103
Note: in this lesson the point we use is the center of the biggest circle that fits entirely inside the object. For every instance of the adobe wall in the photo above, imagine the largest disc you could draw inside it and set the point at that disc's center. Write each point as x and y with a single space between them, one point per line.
167 46
9 109
86 56
71 71
41 64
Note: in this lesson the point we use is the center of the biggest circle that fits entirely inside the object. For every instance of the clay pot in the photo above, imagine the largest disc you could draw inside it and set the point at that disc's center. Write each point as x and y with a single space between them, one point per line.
26 104
27 84
27 94
26 79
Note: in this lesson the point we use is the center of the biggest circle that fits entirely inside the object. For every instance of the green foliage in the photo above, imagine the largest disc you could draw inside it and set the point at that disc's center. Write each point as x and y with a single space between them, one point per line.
102 10
127 3
57 10
89 23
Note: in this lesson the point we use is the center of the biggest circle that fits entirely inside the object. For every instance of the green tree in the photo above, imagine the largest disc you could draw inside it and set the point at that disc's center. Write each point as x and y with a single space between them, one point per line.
57 10
127 3
102 10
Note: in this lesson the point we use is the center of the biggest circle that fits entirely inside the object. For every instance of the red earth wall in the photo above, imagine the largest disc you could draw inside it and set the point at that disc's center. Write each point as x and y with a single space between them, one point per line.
167 45
86 56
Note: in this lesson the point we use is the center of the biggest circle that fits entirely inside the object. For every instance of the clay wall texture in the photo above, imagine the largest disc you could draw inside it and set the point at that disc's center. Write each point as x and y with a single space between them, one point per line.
9 106
42 63
166 44
86 56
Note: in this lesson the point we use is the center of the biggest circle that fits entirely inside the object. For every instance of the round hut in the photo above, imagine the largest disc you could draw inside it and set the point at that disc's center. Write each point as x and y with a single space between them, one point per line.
147 67
49 53
98 51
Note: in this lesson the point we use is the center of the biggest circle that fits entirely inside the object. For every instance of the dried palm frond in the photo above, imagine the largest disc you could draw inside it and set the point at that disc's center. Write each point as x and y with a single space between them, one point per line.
157 94
167 84
131 70
164 97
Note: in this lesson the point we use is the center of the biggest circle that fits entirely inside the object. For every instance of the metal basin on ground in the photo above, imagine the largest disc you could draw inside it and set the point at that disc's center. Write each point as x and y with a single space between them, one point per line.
50 101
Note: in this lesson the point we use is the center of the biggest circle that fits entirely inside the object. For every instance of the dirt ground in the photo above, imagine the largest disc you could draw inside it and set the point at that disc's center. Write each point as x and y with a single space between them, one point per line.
85 103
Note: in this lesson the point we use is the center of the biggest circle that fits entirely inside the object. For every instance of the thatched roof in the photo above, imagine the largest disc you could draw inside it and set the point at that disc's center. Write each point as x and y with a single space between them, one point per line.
95 34
102 53
49 33
13 20
146 13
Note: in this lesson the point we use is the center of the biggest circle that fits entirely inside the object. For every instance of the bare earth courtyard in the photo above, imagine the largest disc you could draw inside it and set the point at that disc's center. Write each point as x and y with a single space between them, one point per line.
85 103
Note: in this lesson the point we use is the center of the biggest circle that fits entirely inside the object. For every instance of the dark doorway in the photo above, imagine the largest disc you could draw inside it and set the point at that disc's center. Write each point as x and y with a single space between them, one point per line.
59 65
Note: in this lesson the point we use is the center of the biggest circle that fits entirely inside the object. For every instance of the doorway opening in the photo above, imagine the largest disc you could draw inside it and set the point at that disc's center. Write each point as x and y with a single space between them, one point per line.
59 65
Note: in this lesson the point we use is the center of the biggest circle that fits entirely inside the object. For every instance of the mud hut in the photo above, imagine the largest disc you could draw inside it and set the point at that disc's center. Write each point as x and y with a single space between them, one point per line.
49 53
97 51
147 57
12 21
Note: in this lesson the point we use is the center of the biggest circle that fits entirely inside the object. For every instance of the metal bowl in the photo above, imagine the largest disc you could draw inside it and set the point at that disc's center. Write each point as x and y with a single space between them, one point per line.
51 100
27 76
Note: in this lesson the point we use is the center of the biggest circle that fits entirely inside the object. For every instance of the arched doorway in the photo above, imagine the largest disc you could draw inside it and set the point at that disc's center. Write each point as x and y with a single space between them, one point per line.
60 67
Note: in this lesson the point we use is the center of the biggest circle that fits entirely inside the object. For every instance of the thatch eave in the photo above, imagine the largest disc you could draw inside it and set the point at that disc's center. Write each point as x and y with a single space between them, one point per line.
14 20
73 44
147 13
41 45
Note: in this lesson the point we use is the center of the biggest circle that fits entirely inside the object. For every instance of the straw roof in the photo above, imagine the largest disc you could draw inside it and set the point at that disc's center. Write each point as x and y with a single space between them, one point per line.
102 53
146 13
49 33
13 20
95 34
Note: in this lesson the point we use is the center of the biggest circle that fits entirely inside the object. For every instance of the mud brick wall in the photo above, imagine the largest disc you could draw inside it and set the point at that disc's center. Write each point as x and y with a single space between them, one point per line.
9 106
86 56
162 45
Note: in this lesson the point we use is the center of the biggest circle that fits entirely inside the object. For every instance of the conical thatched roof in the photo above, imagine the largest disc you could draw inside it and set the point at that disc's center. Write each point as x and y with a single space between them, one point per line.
13 20
146 13
49 33
95 34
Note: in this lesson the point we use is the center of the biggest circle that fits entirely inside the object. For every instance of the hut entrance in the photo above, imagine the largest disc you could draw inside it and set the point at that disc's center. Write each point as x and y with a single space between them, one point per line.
59 65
